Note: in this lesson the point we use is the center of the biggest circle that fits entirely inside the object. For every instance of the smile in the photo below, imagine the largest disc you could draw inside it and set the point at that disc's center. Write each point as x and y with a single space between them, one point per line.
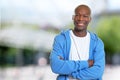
80 24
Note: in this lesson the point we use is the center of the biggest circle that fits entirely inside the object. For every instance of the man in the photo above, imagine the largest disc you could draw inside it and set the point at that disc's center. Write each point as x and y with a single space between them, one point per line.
78 54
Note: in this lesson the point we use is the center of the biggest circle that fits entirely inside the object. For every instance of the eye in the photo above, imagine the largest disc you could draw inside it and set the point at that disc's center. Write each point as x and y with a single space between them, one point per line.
86 16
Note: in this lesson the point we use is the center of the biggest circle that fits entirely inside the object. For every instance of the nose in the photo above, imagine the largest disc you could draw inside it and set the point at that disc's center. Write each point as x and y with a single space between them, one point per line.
80 18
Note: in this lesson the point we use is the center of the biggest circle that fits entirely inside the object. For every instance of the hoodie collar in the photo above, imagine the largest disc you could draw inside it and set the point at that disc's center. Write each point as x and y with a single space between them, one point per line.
67 32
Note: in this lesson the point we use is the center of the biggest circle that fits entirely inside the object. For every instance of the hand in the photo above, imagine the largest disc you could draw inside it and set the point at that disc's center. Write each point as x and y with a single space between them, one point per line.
60 58
91 62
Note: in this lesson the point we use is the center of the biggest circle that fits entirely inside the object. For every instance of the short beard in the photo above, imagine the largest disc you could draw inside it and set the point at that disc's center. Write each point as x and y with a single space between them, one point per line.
79 30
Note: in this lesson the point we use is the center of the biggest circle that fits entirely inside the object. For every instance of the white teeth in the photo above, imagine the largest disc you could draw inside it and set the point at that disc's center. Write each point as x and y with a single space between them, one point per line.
80 24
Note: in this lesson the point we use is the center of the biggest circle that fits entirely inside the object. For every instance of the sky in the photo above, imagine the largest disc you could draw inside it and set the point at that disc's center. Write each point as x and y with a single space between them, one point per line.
114 4
52 12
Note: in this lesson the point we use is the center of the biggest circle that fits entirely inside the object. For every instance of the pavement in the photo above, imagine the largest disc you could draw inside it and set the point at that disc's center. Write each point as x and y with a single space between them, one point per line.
45 73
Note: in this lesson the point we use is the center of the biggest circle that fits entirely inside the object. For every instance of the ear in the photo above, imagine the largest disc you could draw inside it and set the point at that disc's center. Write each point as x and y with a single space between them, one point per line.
73 16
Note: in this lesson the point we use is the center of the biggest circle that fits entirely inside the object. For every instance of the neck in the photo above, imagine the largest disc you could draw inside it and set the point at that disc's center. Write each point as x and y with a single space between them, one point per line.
80 33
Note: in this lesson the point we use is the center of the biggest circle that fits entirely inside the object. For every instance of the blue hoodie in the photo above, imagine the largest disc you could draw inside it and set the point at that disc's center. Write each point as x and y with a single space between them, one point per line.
77 69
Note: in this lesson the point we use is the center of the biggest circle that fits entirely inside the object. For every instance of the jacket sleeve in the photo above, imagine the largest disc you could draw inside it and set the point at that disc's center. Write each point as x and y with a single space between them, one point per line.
63 66
96 71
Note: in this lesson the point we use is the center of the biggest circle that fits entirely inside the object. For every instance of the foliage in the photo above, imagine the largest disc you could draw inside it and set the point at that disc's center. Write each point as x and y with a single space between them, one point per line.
108 29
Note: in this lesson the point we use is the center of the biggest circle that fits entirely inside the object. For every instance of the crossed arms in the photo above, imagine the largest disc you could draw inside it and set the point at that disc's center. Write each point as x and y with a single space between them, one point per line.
91 69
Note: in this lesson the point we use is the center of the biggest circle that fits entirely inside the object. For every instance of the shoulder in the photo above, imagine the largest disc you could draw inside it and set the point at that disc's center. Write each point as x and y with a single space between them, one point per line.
96 38
59 37
62 35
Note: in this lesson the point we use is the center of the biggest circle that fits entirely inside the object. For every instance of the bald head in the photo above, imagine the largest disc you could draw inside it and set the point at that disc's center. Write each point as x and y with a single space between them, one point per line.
81 18
83 7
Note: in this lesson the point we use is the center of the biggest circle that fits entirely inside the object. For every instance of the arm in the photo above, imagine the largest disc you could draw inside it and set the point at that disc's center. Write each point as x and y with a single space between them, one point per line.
96 71
60 66
90 62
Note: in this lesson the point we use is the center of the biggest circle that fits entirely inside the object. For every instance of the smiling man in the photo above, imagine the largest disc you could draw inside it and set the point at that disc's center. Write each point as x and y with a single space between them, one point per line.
81 20
78 54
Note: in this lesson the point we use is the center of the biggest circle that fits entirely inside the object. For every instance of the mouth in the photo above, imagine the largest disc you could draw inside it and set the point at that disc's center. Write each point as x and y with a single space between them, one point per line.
80 23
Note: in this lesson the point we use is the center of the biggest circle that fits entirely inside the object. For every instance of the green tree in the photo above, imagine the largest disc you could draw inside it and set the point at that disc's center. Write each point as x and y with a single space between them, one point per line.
108 28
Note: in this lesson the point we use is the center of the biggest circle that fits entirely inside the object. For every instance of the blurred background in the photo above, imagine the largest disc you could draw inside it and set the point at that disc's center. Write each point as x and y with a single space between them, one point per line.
28 27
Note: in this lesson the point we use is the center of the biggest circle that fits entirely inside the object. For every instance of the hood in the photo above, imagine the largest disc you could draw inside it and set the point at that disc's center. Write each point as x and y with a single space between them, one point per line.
66 33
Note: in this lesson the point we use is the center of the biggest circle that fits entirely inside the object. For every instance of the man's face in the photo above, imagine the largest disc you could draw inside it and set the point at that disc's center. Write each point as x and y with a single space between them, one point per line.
81 18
